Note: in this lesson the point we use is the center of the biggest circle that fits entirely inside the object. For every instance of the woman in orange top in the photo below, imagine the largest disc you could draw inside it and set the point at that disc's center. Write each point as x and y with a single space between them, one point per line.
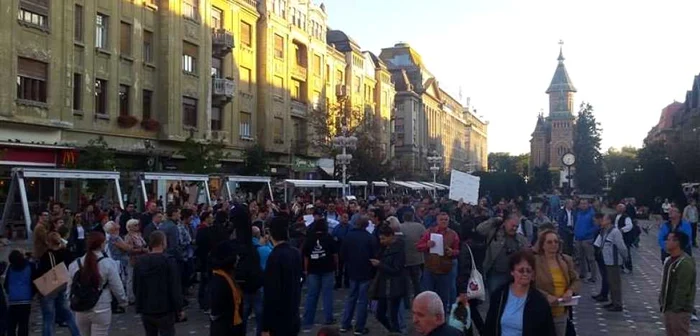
555 276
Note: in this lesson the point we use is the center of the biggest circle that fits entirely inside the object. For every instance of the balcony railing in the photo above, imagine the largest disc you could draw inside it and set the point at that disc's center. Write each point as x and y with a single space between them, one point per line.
223 88
222 41
298 108
253 3
299 72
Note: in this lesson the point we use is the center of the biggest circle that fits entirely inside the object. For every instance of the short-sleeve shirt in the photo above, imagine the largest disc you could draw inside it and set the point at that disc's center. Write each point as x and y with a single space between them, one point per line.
320 252
512 318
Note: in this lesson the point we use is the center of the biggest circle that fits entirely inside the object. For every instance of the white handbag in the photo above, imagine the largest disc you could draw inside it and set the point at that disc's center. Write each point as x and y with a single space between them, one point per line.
475 287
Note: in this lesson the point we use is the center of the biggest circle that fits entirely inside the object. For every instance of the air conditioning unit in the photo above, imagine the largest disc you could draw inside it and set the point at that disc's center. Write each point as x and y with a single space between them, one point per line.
341 90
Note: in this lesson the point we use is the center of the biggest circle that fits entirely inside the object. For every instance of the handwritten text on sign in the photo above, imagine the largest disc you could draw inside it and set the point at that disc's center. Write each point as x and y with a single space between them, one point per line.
464 186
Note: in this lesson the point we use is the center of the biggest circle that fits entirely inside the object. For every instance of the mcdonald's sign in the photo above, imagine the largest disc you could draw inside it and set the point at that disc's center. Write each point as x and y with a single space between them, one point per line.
68 158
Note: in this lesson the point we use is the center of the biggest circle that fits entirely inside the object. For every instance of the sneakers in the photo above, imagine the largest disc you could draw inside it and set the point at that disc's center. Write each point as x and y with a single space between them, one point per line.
693 317
614 308
343 330
600 298
364 331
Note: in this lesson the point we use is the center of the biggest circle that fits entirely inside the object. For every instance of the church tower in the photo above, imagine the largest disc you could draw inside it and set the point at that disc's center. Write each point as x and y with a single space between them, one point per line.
561 116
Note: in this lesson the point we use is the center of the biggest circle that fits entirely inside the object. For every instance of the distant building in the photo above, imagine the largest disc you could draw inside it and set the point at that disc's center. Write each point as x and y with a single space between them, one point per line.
663 130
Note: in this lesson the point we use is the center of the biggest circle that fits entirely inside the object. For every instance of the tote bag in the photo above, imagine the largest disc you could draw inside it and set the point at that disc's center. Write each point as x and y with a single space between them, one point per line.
53 281
475 287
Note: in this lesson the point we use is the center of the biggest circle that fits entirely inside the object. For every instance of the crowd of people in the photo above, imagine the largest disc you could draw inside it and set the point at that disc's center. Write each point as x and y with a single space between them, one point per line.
248 263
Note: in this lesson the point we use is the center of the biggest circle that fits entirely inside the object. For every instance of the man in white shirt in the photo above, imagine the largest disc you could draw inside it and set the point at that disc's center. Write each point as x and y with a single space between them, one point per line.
690 213
624 223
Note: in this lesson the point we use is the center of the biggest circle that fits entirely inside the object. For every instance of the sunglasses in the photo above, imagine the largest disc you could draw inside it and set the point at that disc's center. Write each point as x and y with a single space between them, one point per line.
524 270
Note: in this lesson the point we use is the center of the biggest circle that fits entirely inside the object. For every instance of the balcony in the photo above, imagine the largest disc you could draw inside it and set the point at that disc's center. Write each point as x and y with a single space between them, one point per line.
298 109
223 89
222 42
299 72
253 3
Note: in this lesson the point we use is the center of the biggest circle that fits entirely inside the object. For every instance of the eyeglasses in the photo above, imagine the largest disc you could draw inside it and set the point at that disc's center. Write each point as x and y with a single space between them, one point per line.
551 242
524 270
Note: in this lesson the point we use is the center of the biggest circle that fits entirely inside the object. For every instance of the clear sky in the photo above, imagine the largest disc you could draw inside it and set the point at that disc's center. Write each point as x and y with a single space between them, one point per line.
627 58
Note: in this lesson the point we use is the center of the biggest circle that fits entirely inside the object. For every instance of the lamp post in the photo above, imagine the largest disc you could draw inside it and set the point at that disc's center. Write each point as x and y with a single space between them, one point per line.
607 180
639 169
434 162
344 142
614 176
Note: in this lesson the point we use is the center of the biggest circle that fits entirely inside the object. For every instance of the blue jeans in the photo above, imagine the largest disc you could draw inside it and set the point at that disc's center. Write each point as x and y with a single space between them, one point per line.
440 284
358 295
253 303
54 306
319 284
453 282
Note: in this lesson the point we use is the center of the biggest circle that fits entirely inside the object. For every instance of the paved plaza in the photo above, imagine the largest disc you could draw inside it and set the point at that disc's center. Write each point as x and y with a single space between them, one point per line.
640 317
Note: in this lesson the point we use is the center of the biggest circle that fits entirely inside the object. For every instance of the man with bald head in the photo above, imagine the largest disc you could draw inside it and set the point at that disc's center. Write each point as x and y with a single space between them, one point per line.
429 316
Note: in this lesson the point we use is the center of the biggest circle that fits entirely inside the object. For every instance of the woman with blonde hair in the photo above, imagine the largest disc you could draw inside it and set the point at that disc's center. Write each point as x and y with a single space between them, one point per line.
555 276
138 248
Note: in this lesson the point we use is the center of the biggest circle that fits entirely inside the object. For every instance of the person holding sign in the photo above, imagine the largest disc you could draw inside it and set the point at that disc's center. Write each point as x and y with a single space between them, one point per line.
441 246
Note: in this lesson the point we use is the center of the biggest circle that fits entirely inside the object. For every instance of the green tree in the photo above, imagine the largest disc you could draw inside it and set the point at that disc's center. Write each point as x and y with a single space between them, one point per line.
501 185
255 161
658 179
202 156
369 160
541 179
502 162
589 161
96 156
617 160
522 164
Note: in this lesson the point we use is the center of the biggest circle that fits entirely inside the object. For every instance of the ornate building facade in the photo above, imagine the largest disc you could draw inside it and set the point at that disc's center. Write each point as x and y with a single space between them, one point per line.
554 134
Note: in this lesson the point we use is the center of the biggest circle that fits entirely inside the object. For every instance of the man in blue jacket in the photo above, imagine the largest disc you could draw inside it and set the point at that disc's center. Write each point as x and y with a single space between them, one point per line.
585 232
675 223
359 246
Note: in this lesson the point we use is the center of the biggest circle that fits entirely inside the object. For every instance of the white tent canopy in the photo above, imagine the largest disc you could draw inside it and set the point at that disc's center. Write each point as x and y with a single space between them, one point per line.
436 185
358 183
203 179
18 185
380 184
235 179
330 184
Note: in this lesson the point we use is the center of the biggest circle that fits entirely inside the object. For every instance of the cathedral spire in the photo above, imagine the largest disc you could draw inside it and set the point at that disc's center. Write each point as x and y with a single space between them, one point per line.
561 81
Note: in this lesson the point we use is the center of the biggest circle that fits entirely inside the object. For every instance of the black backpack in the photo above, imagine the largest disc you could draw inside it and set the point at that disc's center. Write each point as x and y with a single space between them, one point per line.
84 297
248 273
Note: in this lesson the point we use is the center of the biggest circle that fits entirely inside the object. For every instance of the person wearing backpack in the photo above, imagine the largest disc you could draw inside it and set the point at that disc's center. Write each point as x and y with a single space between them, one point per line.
20 291
94 279
157 288
225 294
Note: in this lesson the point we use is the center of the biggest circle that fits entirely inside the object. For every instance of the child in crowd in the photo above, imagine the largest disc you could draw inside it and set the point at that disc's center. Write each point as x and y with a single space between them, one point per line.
20 291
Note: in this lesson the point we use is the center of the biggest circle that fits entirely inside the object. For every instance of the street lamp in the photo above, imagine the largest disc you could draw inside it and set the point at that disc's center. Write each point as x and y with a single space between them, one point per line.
607 180
614 176
434 162
639 169
344 142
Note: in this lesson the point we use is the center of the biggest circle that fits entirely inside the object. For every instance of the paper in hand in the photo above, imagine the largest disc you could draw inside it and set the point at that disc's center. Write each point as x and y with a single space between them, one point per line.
439 247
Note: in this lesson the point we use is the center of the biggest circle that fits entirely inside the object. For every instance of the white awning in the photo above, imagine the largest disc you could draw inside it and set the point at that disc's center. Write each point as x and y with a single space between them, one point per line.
380 184
241 178
67 174
406 185
421 186
174 177
436 185
358 183
314 183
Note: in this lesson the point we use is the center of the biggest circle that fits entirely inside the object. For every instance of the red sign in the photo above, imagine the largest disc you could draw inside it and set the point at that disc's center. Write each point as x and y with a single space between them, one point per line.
31 155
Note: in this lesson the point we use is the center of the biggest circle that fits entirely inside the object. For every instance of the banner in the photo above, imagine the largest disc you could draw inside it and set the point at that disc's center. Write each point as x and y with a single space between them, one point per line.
464 186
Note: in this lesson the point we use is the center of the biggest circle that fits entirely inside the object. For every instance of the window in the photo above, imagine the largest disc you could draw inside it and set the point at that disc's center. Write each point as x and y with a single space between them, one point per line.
125 39
278 130
245 80
78 34
190 9
100 96
31 79
216 71
77 92
101 33
317 65
146 105
215 122
278 89
217 18
279 46
358 87
339 77
34 12
279 7
189 57
189 112
123 100
296 90
147 46
245 126
246 36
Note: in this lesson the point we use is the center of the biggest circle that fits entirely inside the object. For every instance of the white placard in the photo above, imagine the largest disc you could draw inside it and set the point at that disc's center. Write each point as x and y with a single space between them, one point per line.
572 302
438 248
464 186
308 219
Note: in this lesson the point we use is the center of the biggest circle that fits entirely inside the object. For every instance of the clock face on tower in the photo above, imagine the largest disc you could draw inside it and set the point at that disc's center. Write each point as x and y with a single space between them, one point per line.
568 159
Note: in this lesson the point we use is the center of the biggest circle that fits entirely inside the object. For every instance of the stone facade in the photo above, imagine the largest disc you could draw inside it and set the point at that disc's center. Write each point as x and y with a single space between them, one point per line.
553 134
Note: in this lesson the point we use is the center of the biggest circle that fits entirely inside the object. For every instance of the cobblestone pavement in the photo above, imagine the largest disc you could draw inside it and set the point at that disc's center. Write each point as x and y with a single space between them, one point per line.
640 317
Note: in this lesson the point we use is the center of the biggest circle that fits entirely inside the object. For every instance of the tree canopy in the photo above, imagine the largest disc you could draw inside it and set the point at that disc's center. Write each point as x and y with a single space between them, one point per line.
589 161
202 156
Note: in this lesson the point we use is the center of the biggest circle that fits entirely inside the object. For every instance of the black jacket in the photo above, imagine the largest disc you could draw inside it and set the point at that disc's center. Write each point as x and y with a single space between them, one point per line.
391 276
537 314
282 285
222 309
464 269
44 265
157 285
359 246
445 330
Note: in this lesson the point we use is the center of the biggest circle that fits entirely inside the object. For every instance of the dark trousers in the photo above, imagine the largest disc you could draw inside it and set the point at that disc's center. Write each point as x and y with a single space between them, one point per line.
414 273
159 325
341 275
203 290
186 270
18 320
694 227
390 305
477 321
604 288
615 283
